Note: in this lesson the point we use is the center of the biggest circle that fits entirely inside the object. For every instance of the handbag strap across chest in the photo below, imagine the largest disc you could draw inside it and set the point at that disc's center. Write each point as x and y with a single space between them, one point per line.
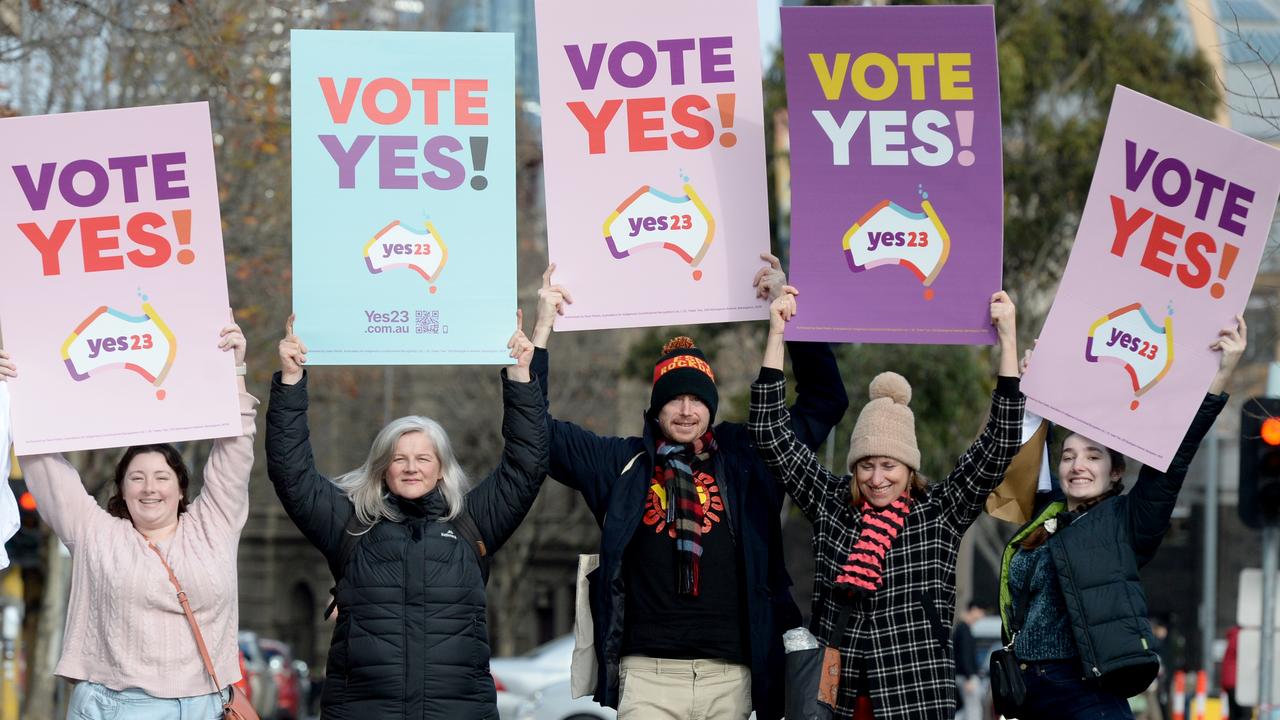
191 618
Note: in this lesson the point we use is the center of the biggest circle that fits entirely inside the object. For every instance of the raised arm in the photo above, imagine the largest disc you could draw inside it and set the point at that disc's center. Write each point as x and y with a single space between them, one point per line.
793 462
60 496
225 496
579 458
502 499
319 509
1153 498
821 400
982 467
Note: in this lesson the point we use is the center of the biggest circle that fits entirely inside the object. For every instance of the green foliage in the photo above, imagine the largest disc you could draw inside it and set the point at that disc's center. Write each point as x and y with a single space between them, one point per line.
950 394
1059 65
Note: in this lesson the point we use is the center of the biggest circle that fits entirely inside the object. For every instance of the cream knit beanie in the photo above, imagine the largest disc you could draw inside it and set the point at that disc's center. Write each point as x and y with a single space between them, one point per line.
886 425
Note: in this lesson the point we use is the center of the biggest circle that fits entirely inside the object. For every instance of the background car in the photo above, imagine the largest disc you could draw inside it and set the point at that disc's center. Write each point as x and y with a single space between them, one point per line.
243 682
264 696
553 702
288 692
517 678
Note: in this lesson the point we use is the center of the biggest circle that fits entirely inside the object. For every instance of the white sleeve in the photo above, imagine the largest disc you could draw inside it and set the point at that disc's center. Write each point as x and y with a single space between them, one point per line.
9 520
1030 424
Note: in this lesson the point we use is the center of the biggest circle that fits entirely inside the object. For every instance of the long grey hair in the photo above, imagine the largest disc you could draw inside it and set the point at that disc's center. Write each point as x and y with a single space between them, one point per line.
366 485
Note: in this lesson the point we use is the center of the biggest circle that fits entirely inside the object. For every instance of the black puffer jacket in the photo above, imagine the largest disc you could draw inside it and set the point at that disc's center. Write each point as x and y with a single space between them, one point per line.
1097 555
411 641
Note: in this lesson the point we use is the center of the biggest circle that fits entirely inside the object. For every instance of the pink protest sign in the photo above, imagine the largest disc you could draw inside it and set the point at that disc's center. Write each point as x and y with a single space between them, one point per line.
113 288
1169 242
654 156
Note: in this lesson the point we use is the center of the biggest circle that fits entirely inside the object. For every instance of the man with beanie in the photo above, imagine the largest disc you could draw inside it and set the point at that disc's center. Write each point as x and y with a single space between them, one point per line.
692 595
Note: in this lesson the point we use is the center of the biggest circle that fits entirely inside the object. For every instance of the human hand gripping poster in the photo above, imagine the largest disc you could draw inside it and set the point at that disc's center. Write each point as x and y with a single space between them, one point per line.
113 289
1173 229
896 184
403 196
654 160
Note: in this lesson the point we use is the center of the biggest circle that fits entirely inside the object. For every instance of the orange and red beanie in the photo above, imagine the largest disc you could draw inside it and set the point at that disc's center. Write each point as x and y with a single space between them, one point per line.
683 370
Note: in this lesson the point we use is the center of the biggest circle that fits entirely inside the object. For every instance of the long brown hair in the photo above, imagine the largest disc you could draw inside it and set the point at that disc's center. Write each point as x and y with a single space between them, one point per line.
116 504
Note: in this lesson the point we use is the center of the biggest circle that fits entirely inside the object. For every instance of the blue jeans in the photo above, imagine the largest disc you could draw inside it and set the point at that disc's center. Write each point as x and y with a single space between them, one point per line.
91 701
1057 690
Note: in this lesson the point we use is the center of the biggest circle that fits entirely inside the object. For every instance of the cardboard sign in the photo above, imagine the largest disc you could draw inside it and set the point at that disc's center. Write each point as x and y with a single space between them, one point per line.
897 191
403 196
654 160
114 286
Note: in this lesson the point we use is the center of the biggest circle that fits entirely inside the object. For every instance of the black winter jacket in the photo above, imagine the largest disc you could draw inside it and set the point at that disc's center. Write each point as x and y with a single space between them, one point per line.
1097 555
411 641
594 466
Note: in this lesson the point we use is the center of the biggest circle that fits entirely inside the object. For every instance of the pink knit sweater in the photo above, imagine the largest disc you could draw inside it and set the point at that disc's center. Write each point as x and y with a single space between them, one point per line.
125 628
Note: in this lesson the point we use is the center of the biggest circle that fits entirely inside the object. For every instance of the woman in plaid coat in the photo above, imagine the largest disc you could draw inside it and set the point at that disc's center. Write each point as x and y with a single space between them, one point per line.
884 540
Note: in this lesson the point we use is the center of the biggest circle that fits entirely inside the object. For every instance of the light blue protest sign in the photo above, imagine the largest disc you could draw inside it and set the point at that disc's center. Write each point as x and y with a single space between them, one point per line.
403 196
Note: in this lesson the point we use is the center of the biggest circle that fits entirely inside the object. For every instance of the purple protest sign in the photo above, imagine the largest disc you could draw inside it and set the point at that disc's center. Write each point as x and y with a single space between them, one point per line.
897 187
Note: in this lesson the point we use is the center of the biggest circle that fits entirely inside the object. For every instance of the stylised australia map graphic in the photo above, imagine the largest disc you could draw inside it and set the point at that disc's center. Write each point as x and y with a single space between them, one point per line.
109 338
1128 337
650 218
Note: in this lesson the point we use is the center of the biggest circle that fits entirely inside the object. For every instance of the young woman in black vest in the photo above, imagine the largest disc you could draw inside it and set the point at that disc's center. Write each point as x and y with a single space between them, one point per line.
1069 583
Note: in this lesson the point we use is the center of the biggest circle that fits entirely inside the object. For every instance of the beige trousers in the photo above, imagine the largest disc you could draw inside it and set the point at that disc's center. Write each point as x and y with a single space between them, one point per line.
662 689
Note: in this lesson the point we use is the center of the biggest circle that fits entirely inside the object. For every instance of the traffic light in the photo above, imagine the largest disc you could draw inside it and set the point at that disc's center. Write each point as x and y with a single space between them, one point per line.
24 547
1260 462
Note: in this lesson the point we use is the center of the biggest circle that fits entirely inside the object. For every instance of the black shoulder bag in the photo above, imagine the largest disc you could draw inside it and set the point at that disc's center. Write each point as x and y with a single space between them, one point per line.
1008 691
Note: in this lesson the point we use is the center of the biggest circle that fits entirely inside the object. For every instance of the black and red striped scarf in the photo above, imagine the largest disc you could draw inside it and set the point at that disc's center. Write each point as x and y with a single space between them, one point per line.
674 472
864 572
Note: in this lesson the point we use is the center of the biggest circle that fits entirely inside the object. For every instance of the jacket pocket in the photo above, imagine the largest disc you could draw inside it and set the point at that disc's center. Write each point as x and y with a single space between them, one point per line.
940 632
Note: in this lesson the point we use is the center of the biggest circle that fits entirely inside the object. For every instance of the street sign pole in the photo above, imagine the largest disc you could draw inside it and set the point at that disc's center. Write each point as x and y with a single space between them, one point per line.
1270 560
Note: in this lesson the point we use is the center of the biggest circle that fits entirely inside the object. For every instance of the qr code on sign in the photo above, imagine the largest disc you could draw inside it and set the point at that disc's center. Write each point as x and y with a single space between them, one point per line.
427 322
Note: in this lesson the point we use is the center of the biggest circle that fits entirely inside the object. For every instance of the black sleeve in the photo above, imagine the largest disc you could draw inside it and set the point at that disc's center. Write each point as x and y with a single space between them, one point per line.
318 507
821 400
1154 496
500 501
579 458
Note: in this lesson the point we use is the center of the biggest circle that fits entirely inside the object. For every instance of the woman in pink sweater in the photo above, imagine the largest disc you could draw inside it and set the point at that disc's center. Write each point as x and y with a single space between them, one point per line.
128 645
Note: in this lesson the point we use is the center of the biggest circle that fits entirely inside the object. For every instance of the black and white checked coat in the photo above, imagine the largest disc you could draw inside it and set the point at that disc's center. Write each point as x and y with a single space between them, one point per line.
901 633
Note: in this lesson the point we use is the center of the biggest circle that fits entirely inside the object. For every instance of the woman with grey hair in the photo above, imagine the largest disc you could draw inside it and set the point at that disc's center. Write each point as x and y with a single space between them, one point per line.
408 536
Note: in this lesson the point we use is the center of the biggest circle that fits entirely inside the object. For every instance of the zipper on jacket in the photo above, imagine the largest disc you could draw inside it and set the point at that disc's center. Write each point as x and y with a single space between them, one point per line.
1093 654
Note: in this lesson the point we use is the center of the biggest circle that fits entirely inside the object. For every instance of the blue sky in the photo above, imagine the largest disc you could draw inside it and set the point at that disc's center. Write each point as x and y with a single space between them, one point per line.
769 28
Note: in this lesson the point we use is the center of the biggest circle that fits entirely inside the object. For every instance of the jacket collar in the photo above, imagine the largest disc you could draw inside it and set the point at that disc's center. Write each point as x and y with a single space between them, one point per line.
429 506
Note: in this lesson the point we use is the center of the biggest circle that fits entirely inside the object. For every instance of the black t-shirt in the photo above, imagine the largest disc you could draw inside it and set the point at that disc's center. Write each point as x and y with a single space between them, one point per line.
660 622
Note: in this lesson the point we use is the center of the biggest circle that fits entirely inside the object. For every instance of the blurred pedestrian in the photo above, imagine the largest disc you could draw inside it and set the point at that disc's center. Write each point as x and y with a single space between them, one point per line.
968 670
1230 668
